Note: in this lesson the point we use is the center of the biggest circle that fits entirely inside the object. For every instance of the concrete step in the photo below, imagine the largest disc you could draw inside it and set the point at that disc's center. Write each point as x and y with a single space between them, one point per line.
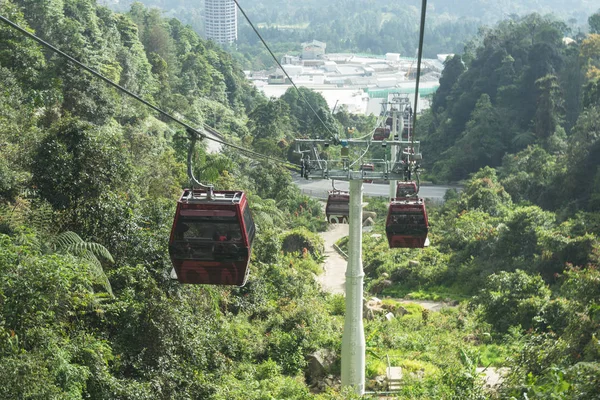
394 378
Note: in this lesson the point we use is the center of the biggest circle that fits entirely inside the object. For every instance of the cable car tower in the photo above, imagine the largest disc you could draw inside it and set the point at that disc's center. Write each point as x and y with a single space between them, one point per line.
402 166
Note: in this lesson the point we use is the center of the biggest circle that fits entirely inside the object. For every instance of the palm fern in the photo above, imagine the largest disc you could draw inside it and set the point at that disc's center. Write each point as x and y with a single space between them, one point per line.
13 215
523 139
70 243
266 213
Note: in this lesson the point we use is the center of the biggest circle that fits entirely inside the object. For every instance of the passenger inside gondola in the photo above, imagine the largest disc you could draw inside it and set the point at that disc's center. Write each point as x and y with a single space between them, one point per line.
201 240
407 224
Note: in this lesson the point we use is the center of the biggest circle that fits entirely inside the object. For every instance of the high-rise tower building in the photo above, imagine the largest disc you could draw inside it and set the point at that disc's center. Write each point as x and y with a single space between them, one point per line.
221 21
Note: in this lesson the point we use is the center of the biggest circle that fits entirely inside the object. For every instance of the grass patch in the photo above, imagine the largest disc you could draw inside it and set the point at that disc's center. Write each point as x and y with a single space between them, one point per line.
434 293
375 366
493 355
418 365
413 309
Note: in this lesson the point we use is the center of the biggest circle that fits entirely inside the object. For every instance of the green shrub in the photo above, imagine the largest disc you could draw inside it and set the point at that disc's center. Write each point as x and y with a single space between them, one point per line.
300 240
512 298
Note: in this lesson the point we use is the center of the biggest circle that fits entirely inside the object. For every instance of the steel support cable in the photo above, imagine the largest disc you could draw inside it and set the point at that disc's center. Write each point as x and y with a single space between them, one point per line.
190 169
361 156
419 58
380 120
188 127
377 125
280 66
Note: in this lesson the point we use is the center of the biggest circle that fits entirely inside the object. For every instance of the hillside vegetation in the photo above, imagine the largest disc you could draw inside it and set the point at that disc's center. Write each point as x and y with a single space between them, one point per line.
89 179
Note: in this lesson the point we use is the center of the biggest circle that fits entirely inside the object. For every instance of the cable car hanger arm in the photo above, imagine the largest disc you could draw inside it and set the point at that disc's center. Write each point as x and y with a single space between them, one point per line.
190 171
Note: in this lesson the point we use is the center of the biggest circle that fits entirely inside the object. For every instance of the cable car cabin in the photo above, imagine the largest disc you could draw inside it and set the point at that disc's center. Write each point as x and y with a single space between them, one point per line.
211 240
337 209
406 189
407 225
381 133
367 167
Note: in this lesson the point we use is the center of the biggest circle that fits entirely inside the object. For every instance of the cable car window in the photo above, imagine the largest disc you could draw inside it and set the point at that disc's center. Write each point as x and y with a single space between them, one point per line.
211 230
198 239
207 213
249 222
338 207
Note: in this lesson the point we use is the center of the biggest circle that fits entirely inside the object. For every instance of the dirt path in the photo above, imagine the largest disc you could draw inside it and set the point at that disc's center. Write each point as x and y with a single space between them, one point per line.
427 304
334 277
493 376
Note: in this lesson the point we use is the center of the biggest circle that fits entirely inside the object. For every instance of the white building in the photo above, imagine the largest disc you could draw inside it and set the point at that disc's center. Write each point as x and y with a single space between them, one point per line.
394 57
313 50
357 83
221 21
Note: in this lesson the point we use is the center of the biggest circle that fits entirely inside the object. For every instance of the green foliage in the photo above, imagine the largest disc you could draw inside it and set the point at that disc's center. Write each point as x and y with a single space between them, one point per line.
307 212
547 115
453 68
77 162
271 180
77 157
429 268
482 143
18 54
304 119
512 298
594 22
483 192
510 96
70 243
270 120
301 240
530 174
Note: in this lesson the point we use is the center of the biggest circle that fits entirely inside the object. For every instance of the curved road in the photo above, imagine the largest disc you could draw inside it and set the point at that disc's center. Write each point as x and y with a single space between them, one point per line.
319 188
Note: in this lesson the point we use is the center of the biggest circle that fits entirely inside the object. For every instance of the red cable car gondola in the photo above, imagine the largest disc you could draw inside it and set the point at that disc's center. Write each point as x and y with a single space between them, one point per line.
211 238
407 225
337 209
381 133
367 167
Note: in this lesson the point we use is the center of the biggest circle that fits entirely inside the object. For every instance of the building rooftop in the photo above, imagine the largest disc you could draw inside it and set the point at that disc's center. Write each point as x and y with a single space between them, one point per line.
359 82
315 43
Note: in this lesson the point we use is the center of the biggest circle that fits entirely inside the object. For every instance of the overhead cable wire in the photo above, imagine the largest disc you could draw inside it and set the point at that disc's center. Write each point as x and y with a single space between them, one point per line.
361 156
188 127
377 125
379 121
419 58
280 66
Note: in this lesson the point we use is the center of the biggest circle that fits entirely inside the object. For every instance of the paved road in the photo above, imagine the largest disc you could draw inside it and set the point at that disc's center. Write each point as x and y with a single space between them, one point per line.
333 279
319 188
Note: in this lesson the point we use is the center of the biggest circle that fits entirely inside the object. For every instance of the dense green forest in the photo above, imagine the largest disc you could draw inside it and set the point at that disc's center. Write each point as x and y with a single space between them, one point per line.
522 91
89 179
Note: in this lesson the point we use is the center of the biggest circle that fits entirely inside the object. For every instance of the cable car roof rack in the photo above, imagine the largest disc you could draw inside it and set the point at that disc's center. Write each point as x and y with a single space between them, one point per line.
218 197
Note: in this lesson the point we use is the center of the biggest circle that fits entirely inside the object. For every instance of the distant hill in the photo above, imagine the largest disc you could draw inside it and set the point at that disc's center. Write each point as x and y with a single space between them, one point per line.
366 26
